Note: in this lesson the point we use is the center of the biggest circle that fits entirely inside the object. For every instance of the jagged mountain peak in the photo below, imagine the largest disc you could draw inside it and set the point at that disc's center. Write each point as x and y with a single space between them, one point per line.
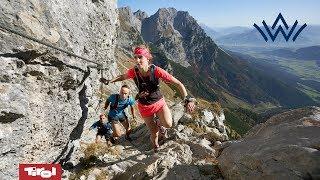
171 13
125 8
179 35
141 15
184 13
130 27
125 13
169 10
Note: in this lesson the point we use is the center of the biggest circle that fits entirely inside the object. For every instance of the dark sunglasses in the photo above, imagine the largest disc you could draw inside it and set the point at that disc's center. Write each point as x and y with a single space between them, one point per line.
139 57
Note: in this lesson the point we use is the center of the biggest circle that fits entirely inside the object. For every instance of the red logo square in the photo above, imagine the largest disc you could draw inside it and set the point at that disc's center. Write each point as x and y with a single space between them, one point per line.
40 171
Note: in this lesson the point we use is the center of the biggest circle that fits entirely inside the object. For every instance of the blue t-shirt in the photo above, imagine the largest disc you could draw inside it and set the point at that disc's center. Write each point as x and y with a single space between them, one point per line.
122 104
104 128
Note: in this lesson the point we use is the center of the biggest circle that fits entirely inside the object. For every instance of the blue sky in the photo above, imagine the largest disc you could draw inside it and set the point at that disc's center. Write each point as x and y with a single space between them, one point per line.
226 13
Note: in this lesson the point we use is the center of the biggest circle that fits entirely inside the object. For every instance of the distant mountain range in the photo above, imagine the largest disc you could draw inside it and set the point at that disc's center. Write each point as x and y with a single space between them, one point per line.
245 36
306 53
221 32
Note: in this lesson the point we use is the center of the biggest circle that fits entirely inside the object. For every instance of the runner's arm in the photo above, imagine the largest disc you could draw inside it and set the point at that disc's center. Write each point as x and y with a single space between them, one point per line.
93 126
190 106
164 75
116 79
119 78
180 86
132 112
106 104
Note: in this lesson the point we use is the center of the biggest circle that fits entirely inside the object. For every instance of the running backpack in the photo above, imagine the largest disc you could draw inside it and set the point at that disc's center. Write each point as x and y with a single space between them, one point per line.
151 84
115 105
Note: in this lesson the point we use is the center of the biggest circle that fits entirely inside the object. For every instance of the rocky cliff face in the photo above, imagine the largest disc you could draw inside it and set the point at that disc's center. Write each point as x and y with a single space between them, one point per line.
284 147
129 30
46 97
140 15
159 28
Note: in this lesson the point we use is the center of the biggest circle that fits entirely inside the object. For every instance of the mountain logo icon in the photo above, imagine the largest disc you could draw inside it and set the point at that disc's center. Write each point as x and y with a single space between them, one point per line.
280 29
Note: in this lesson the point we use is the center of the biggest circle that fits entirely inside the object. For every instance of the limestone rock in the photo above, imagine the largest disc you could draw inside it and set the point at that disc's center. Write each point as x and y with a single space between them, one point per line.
286 146
47 98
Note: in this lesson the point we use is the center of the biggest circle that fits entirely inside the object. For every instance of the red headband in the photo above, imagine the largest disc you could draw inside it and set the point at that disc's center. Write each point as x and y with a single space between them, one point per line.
142 52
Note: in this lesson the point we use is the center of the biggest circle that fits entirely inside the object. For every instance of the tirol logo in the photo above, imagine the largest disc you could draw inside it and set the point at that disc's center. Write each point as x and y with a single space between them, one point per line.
280 29
40 171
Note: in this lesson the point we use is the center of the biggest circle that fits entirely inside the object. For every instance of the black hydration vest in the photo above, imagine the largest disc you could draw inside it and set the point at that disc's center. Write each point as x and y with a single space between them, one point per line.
148 84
